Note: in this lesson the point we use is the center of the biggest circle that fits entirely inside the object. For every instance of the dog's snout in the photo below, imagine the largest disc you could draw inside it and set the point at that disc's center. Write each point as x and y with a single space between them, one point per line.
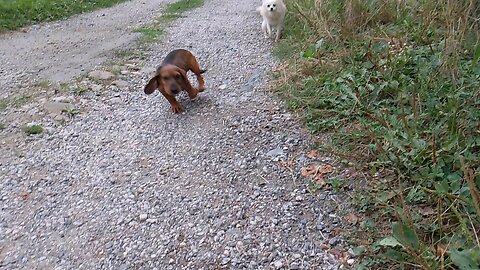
174 90
271 9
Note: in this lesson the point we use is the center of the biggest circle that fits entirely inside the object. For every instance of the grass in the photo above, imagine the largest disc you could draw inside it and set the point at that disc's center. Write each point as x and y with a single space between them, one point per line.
18 13
20 101
3 104
14 101
71 112
395 86
44 84
171 12
130 54
31 130
149 33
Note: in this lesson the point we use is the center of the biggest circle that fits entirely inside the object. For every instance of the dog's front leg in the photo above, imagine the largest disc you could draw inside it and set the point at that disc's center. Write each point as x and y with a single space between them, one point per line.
265 28
192 91
269 30
176 107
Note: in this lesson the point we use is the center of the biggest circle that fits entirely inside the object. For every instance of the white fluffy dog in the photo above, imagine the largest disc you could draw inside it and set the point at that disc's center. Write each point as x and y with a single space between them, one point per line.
273 13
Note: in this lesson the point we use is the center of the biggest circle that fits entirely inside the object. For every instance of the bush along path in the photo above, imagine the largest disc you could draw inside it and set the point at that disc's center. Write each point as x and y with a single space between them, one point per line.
95 174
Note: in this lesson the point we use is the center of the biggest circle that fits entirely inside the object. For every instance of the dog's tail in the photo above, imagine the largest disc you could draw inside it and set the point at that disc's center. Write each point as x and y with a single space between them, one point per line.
202 71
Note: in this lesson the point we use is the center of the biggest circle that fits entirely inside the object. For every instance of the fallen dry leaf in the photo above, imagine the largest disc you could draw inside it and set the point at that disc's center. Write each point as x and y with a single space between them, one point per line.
315 170
325 169
24 195
351 218
441 250
324 246
337 252
319 180
309 170
287 164
312 154
280 67
426 211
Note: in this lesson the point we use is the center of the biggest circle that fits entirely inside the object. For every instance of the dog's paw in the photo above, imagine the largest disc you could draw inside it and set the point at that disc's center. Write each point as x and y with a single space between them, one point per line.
193 93
177 108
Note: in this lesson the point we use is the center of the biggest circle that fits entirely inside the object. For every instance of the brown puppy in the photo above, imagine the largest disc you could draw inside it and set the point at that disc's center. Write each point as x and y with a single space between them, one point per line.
171 77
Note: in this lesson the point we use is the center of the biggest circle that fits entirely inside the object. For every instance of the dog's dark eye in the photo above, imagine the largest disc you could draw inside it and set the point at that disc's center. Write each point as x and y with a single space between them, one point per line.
273 5
178 76
268 6
165 78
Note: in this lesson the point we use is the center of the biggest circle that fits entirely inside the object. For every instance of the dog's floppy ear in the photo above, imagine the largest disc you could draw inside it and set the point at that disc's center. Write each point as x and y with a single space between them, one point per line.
153 83
151 86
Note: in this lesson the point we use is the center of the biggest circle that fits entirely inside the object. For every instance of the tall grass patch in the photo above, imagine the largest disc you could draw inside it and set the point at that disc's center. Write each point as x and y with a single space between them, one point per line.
18 13
395 85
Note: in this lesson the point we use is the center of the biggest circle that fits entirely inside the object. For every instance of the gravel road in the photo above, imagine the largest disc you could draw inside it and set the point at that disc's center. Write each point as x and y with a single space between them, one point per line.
62 50
123 183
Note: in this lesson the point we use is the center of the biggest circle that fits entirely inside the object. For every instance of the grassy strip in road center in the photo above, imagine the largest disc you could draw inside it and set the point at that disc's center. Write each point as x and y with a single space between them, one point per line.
171 12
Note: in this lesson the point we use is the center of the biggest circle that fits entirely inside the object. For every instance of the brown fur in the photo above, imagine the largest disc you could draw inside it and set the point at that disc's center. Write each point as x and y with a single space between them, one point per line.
171 77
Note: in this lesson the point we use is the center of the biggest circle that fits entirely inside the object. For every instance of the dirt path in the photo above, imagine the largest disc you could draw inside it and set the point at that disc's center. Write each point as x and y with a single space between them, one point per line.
122 183
62 50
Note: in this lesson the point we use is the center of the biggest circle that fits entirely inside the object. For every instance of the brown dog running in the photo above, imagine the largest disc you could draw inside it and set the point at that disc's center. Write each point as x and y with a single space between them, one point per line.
171 77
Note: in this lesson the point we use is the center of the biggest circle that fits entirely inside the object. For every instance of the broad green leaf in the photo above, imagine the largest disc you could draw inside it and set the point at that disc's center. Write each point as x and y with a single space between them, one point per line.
360 267
395 255
406 236
442 186
464 259
310 52
358 250
476 55
389 242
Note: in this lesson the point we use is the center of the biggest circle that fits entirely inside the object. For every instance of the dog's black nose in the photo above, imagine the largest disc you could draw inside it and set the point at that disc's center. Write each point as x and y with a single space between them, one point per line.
174 90
271 9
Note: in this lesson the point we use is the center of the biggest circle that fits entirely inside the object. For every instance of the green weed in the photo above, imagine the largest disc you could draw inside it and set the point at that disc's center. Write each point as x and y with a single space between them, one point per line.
21 100
149 33
4 103
71 112
182 6
130 54
42 84
14 101
34 129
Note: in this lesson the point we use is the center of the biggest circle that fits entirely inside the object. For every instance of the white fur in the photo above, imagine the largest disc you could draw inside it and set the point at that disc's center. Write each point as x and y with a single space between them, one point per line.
273 13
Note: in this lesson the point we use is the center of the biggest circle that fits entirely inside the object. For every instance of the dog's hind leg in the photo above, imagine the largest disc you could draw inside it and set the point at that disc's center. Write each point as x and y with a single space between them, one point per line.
195 68
279 33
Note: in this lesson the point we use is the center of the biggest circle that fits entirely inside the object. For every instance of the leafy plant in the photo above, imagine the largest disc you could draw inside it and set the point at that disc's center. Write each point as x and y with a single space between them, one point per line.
33 129
70 112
